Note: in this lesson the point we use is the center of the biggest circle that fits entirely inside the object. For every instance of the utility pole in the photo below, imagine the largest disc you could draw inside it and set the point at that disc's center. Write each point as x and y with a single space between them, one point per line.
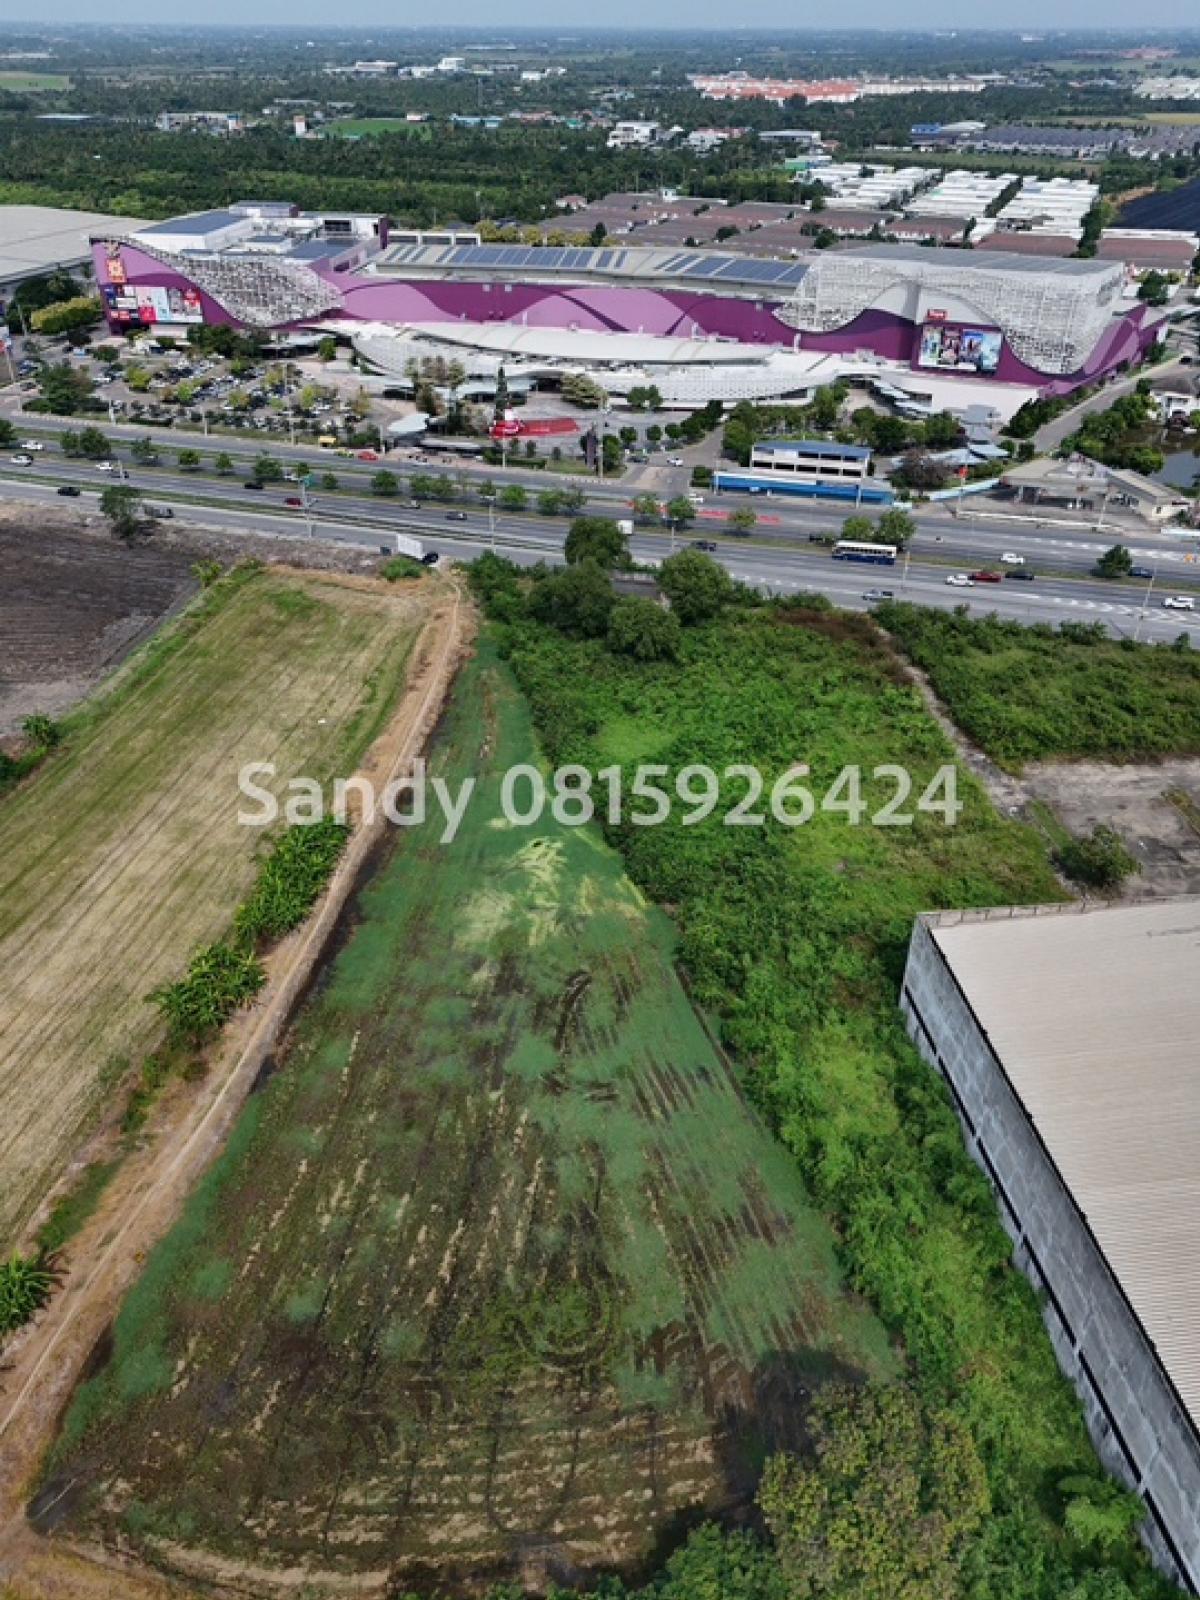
1145 603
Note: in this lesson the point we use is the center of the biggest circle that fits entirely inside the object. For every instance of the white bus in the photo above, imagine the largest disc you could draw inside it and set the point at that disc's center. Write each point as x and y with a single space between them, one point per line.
878 555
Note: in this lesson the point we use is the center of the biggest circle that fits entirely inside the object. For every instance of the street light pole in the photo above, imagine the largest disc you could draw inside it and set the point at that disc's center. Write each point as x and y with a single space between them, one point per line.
1145 603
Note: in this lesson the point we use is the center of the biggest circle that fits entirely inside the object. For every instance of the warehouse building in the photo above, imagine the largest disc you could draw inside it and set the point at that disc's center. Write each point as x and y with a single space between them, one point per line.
1067 1036
36 240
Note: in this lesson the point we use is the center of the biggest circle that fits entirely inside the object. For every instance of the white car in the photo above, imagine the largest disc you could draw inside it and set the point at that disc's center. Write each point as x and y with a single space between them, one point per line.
21 461
674 461
106 466
1011 559
32 444
959 580
1179 602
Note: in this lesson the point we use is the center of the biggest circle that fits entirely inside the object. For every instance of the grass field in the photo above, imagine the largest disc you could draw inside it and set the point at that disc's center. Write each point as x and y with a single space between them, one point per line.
1024 694
367 127
499 1271
34 82
123 853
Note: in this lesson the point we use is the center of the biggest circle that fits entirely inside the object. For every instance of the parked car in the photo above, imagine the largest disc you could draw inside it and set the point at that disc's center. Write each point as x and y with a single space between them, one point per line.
69 489
959 580
1023 573
1179 602
873 596
1010 558
983 576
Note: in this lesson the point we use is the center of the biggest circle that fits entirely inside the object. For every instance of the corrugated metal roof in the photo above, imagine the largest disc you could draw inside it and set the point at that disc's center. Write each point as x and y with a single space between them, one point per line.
1094 1013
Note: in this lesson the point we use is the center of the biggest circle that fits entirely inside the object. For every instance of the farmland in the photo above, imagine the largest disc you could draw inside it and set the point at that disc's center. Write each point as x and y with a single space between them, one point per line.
71 605
123 852
370 127
499 1271
34 82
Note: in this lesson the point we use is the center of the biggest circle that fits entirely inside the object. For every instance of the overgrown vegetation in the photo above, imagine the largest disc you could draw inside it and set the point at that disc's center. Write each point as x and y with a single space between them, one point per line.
796 942
1037 693
25 1284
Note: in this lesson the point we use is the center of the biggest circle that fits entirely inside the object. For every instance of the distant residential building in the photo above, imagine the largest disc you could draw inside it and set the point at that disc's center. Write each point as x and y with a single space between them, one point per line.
1150 249
218 122
705 139
452 64
632 135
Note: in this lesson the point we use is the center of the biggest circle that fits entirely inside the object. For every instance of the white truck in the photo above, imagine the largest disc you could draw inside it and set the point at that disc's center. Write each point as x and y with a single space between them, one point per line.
407 546
625 527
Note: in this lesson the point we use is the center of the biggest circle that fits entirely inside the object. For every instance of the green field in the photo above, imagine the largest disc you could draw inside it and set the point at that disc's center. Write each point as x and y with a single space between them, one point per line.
499 1270
122 854
34 82
1036 694
368 127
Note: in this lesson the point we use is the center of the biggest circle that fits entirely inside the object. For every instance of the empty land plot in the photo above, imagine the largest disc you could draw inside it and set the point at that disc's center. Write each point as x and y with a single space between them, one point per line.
498 1273
123 853
71 605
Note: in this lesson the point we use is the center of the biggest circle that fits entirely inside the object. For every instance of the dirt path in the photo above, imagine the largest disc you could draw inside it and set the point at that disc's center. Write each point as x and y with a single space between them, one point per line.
43 1365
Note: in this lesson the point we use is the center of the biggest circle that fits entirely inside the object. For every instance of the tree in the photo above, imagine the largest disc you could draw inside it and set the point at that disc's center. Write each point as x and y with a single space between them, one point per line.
942 431
681 511
512 497
573 500
549 502
1115 562
896 526
887 1508
578 600
329 481
68 441
121 505
596 539
647 507
327 348
1099 861
206 573
8 434
639 628
144 452
654 433
500 407
826 406
79 312
742 520
189 460
919 470
385 483
695 585
64 388
267 470
94 446
224 464
1154 289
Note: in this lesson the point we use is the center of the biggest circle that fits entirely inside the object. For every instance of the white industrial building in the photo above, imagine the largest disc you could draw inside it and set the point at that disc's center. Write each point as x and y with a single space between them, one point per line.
1067 1035
871 188
1050 205
962 194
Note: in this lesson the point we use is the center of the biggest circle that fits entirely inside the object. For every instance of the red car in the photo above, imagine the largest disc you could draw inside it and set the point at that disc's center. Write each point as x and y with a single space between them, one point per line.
987 577
368 455
293 500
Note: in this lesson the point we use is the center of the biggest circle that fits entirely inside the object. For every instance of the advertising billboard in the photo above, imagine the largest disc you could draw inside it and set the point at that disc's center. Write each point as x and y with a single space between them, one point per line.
131 304
960 349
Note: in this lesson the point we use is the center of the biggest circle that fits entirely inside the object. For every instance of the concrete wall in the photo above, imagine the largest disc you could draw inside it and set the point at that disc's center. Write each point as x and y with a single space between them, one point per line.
1139 1427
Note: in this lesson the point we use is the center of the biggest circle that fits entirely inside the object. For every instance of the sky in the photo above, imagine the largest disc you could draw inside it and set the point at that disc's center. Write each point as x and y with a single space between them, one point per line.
562 15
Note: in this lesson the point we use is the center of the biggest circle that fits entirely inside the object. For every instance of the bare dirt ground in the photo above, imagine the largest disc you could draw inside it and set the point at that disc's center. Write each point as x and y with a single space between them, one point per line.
1154 806
72 606
147 1194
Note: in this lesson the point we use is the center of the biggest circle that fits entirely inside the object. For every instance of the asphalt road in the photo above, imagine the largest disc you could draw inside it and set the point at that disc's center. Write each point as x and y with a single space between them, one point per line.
1048 438
776 569
968 541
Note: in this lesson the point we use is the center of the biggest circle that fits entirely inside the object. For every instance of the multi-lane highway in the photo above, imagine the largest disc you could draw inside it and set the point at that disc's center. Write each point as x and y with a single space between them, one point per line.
777 558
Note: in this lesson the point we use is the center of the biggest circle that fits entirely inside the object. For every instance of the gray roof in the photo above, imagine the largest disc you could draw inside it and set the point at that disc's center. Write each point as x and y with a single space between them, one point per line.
36 239
1094 1015
194 222
988 261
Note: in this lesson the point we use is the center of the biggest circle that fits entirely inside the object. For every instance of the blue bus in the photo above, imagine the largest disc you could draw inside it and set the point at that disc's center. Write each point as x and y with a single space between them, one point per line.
876 555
